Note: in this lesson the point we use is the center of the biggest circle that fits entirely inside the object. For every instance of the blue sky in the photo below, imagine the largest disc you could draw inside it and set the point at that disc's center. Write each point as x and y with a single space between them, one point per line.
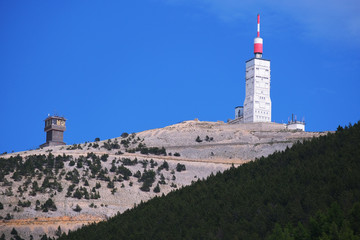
127 66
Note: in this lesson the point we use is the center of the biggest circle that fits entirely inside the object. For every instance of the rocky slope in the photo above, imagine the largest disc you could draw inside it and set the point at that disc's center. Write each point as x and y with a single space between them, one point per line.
226 143
105 177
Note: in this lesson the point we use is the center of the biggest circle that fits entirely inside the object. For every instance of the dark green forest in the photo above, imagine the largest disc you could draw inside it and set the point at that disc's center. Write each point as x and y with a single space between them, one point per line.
310 191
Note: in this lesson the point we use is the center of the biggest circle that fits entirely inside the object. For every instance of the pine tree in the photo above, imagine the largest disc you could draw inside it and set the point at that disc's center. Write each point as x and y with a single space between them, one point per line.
14 232
157 188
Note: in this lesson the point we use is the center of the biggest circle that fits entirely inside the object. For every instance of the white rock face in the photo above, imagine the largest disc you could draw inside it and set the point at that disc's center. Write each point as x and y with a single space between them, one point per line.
231 143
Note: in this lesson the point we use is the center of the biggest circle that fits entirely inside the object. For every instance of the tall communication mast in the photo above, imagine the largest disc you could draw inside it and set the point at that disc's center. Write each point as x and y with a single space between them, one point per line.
257 104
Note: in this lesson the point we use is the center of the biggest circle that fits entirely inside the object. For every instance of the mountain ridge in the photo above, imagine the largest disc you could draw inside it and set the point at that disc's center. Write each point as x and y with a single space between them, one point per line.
219 145
309 191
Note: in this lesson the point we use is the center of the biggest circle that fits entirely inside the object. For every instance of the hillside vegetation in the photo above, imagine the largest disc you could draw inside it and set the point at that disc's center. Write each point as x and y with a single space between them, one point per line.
310 191
49 192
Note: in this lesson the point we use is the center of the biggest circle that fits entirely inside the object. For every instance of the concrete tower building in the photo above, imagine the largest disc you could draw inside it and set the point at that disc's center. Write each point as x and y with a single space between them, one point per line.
257 104
54 128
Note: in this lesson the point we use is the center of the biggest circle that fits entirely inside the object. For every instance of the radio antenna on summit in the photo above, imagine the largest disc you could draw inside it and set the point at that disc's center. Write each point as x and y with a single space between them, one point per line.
258 25
258 41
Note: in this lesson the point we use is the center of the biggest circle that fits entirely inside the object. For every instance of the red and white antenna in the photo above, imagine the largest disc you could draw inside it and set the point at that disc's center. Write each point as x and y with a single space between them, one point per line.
258 41
258 26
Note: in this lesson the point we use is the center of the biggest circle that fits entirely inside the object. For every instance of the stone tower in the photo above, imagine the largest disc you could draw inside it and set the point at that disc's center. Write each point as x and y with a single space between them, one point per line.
257 104
54 128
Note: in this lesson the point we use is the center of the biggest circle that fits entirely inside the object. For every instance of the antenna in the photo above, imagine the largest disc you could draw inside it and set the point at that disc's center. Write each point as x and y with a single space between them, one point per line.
258 25
258 41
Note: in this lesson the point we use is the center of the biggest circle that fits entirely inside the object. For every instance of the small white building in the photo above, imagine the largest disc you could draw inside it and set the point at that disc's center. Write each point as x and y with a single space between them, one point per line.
295 124
239 112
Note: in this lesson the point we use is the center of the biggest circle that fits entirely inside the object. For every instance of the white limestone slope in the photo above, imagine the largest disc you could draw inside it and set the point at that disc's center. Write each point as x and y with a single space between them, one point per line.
227 144
232 143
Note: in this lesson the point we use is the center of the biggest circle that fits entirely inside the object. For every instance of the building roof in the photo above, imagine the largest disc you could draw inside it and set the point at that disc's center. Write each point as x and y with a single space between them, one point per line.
55 117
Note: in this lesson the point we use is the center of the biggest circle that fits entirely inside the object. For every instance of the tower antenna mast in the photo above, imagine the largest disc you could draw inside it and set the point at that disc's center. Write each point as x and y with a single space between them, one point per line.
258 25
258 41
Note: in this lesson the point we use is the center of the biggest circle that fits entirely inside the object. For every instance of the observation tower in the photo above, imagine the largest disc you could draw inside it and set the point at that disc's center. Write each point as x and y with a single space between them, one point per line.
54 128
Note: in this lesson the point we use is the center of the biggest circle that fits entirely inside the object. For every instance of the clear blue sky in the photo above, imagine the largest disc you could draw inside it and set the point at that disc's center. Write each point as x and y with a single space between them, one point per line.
127 66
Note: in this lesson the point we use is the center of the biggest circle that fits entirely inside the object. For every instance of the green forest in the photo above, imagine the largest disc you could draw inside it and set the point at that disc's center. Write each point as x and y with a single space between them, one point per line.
309 191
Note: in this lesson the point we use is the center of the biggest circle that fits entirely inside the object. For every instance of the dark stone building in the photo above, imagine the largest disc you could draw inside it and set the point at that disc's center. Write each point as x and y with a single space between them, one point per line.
54 128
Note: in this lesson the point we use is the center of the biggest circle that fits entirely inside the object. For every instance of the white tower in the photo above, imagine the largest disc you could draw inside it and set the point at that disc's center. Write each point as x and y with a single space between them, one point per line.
257 104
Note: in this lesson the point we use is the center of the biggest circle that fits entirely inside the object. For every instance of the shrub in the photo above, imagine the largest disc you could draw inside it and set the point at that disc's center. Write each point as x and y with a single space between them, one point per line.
148 175
111 184
126 173
79 164
14 232
180 167
111 145
130 150
124 135
58 232
177 154
77 208
125 143
137 174
37 205
165 166
49 205
153 163
198 139
162 179
157 151
104 157
157 188
144 163
24 204
16 176
145 187
77 194
8 192
128 162
97 139
209 139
